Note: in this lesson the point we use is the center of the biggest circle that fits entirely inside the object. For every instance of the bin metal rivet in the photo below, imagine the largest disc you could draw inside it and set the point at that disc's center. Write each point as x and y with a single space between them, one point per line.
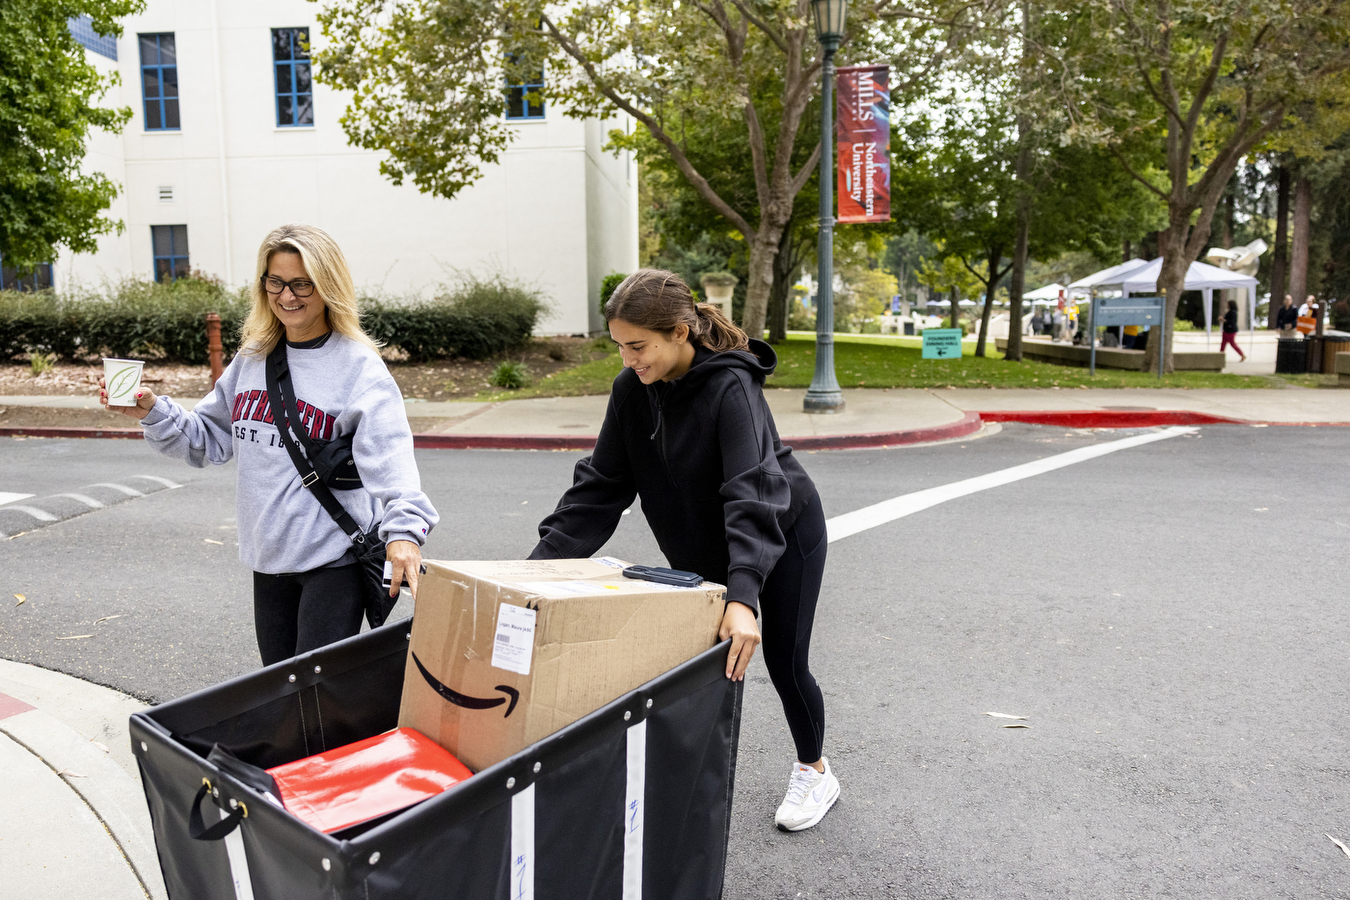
327 866
537 767
234 804
627 715
291 679
215 792
144 749
409 637
374 857
510 783
649 703
318 669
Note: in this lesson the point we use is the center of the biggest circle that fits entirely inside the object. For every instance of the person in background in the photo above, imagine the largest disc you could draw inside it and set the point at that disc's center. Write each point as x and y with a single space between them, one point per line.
1230 330
1037 323
689 431
1128 336
307 587
1060 320
1286 318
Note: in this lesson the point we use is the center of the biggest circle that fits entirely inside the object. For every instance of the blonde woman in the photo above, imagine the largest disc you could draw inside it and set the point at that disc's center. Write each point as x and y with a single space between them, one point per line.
307 590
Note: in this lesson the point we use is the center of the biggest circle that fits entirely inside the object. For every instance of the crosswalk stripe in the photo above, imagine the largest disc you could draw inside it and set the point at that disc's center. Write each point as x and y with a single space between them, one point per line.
859 520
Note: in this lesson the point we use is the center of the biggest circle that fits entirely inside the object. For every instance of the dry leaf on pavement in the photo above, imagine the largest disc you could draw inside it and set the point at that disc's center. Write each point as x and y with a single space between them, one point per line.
1004 716
21 598
75 637
1344 849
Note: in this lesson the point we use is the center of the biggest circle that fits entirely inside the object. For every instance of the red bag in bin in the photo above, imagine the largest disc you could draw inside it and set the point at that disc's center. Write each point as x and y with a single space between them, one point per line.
367 779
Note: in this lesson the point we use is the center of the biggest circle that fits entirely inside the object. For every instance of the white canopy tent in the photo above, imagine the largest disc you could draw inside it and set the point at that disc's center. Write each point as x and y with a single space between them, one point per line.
1105 277
1141 277
1048 294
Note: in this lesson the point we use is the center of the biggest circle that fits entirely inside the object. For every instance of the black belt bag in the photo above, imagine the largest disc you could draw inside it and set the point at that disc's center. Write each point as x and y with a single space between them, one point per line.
329 464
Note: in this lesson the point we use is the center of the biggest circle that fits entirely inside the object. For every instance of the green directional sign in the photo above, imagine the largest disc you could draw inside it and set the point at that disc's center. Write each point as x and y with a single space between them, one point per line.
942 343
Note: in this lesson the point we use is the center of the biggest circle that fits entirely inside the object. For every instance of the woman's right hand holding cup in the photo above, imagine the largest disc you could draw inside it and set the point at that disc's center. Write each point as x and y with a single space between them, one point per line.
145 400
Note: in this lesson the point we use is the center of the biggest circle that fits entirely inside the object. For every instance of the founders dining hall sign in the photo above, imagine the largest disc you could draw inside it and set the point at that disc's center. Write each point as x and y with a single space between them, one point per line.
863 134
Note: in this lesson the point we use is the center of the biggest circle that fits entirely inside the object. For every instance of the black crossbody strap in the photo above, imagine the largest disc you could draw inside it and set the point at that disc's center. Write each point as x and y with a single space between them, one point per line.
284 410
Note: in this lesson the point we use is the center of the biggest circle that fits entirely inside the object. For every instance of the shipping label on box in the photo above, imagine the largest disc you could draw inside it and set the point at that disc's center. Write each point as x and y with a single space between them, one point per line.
506 653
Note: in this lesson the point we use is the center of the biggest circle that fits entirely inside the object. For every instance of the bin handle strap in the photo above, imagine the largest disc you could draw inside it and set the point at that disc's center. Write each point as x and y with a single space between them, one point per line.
197 828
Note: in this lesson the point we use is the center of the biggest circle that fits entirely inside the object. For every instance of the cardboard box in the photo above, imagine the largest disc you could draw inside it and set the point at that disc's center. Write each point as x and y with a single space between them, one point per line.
506 653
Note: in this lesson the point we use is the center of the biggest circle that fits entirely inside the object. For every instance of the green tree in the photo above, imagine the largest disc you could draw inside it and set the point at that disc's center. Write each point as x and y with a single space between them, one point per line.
48 104
427 78
1206 82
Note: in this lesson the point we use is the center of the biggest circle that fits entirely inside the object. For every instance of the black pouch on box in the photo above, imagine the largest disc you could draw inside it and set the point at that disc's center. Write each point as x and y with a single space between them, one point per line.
640 789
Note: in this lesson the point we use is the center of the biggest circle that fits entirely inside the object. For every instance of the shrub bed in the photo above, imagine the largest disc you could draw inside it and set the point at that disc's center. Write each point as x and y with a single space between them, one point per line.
478 318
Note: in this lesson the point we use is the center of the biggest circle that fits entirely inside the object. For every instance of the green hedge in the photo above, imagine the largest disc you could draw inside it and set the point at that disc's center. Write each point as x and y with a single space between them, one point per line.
478 319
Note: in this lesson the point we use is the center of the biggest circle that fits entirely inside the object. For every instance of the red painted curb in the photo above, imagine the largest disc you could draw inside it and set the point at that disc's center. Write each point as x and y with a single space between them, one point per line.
503 442
968 424
55 431
1110 418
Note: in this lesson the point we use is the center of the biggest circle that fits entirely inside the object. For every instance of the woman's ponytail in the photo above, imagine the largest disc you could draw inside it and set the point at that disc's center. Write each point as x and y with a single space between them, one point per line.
660 301
716 331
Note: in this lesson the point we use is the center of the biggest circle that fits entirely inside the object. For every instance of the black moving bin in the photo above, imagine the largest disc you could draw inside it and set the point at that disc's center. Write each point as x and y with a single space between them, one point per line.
631 801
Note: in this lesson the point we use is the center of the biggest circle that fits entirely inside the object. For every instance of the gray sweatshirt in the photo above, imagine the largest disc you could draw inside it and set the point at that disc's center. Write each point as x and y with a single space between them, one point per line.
341 388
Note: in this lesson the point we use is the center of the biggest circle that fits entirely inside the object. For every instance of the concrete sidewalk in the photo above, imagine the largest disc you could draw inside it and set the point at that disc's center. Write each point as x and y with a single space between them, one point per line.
73 818
872 417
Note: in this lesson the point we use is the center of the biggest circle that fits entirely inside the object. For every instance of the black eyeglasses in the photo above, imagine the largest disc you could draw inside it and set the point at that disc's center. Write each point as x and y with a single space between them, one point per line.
300 287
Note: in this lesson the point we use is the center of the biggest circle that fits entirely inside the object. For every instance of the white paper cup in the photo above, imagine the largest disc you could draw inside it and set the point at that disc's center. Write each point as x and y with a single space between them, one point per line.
122 378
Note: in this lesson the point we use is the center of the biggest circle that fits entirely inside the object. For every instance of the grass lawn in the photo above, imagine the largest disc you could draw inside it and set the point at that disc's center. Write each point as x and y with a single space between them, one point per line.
865 360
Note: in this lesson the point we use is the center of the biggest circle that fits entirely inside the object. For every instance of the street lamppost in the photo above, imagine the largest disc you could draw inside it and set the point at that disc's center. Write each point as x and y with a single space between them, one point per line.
824 396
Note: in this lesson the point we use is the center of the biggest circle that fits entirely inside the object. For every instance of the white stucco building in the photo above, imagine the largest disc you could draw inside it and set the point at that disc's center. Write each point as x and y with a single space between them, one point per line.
229 139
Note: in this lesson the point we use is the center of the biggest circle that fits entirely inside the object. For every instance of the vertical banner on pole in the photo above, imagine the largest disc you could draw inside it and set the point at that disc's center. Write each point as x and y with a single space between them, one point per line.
863 134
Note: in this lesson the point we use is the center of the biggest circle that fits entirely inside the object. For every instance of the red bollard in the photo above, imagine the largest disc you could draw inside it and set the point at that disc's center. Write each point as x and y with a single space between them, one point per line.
214 350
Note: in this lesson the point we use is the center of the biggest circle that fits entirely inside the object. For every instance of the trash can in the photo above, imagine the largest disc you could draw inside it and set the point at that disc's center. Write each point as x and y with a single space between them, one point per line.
633 800
1291 356
909 329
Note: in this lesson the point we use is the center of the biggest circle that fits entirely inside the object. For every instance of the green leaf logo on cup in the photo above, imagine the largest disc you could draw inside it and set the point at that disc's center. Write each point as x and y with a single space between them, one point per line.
123 380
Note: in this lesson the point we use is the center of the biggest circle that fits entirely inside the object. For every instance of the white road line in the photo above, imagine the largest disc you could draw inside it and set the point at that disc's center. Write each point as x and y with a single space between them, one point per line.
87 501
164 481
40 514
130 492
6 497
898 507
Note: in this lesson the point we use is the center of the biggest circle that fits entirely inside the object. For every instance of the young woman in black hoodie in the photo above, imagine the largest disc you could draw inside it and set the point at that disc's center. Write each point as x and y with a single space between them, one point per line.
689 431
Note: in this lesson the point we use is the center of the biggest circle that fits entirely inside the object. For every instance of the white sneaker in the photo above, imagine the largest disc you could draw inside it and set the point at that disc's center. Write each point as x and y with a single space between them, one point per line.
809 797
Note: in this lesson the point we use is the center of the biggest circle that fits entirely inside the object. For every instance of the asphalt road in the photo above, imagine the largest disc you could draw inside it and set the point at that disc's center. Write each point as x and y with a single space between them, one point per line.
1171 619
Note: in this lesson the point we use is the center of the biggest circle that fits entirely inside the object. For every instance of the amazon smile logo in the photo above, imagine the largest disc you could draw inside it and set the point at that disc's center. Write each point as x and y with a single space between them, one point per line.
466 701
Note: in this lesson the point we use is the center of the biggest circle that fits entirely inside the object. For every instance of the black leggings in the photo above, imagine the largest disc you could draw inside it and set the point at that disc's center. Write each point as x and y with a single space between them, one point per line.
299 612
787 605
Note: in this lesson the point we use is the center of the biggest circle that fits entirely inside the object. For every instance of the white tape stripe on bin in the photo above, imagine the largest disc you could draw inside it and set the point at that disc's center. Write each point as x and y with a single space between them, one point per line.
635 811
238 859
522 845
851 523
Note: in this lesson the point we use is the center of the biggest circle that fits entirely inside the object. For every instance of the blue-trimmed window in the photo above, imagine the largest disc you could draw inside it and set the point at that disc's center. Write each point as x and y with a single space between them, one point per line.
295 90
159 82
170 245
526 101
82 29
39 279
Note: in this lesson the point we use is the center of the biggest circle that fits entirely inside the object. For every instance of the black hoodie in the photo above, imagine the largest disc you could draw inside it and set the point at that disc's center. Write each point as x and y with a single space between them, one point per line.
718 487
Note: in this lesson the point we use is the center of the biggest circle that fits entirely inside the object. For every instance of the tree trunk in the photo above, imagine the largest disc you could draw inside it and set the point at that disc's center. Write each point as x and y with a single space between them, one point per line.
1278 265
1019 265
995 255
1125 251
956 308
1171 282
782 285
1298 252
763 249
